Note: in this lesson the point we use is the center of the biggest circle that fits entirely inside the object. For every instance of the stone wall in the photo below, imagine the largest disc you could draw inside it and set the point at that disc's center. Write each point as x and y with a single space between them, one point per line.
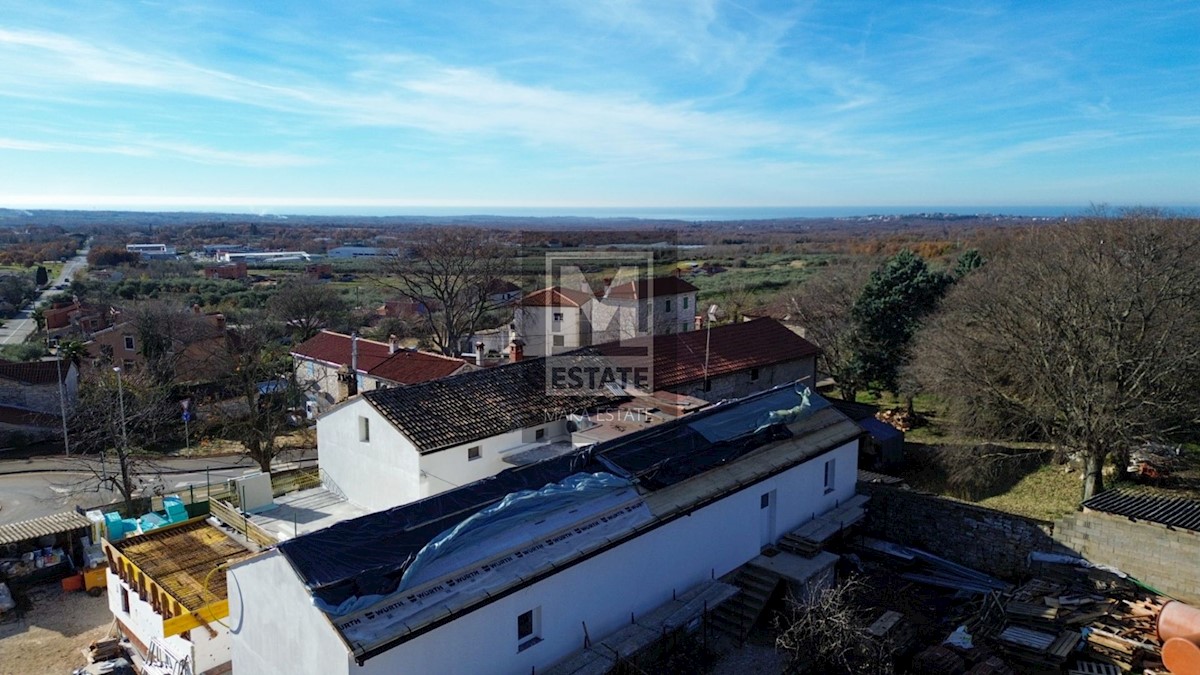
1166 558
983 539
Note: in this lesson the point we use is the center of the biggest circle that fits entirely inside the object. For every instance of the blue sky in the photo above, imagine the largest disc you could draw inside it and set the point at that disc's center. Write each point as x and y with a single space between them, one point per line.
401 104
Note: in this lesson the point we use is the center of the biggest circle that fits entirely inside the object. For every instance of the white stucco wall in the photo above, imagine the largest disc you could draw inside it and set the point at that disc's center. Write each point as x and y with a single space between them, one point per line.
377 474
320 381
274 627
633 578
450 468
205 651
536 327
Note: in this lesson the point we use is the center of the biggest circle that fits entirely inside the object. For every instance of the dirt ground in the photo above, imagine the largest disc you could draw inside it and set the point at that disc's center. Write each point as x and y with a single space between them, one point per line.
49 637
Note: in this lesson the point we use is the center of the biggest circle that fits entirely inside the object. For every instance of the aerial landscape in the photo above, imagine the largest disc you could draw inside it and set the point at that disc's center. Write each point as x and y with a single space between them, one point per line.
586 338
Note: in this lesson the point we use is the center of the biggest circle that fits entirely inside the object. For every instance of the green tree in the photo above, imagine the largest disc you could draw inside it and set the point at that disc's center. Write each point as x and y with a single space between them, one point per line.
898 296
39 318
41 277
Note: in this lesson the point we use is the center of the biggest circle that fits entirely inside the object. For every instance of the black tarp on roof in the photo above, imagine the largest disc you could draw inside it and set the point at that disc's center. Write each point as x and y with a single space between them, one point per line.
368 555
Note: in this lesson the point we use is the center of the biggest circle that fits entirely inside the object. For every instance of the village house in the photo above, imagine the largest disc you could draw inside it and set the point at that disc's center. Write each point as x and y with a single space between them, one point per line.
727 361
517 572
235 270
73 319
391 446
659 306
199 351
167 594
323 364
501 293
554 320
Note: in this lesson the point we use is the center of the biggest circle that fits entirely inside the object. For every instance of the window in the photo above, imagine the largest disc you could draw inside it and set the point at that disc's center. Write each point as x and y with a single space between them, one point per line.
539 434
683 326
124 600
127 365
559 341
558 316
667 306
829 476
129 343
474 452
685 302
529 629
753 374
364 430
764 501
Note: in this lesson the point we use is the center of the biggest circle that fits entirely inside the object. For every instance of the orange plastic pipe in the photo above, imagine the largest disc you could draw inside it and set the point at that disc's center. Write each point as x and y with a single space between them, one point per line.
1179 629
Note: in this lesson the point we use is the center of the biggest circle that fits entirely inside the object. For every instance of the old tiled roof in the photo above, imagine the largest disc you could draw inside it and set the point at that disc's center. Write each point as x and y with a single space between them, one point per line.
480 404
413 367
651 288
732 348
33 372
556 296
334 348
1178 512
497 286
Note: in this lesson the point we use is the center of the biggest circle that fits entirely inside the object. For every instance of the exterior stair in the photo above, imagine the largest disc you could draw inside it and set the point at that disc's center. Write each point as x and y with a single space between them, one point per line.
740 613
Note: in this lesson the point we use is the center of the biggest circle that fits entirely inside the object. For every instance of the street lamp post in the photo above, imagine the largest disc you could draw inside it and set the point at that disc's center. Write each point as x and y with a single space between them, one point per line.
62 399
121 400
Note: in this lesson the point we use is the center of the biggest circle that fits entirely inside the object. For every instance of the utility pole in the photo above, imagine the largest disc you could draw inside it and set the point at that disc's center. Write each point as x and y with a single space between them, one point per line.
62 399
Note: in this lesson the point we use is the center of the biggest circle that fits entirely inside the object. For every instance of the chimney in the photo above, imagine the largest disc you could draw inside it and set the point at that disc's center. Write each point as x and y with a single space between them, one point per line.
479 353
393 344
516 350
354 355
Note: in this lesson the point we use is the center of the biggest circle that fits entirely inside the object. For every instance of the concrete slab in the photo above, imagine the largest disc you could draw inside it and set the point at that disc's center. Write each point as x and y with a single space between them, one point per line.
797 570
306 511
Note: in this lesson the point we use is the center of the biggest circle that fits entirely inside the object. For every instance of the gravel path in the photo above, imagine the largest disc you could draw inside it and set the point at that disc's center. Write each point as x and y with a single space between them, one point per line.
49 637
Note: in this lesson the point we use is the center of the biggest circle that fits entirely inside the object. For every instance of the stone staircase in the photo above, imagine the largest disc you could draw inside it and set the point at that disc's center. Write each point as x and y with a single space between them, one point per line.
740 613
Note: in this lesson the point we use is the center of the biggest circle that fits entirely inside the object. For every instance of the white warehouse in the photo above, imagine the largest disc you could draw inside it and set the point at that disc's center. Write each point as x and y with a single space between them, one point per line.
510 573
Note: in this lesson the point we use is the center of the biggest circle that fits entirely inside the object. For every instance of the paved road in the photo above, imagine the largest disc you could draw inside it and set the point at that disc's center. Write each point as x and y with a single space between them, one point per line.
44 485
21 326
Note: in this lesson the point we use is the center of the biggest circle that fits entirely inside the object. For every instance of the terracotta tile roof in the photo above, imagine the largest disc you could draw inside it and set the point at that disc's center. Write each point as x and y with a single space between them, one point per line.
736 347
556 296
650 288
480 404
497 286
334 348
33 372
414 367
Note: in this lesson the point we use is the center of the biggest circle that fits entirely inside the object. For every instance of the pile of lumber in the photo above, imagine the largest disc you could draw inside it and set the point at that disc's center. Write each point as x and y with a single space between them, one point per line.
1046 619
810 538
104 649
928 569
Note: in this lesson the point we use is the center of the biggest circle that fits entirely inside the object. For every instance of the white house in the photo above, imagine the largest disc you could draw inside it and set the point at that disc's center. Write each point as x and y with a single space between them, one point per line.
396 445
166 591
554 320
512 574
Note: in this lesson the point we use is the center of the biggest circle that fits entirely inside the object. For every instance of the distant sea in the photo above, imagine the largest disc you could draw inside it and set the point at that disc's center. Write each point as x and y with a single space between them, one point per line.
684 213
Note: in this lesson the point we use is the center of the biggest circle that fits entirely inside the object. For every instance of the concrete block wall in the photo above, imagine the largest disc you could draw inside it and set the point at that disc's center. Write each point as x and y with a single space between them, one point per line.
1167 559
983 539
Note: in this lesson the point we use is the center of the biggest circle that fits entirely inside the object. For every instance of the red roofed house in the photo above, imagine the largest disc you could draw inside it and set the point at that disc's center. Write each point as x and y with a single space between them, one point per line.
659 306
30 398
554 320
742 358
378 365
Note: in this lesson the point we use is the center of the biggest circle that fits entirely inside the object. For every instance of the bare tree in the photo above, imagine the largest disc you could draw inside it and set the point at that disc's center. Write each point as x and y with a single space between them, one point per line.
306 306
118 421
828 632
1087 333
447 271
823 306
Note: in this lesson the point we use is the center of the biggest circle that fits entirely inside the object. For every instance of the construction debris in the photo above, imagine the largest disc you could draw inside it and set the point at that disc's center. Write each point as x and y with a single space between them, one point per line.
926 568
105 649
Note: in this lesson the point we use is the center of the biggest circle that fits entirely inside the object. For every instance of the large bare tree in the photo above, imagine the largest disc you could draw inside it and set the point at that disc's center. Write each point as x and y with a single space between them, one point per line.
447 271
823 306
306 306
1088 334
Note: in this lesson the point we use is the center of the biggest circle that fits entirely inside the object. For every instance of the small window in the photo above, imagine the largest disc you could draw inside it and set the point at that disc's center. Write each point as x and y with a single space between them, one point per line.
559 341
129 343
127 365
124 600
683 326
529 629
685 302
764 501
667 305
753 374
558 316
364 430
474 452
539 434
829 475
